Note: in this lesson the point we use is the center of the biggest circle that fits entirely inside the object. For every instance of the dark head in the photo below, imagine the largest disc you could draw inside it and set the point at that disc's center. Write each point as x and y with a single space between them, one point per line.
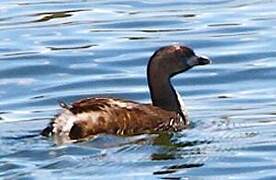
165 63
174 59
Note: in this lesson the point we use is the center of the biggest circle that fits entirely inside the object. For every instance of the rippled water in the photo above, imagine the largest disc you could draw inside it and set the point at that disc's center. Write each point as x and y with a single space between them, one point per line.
67 50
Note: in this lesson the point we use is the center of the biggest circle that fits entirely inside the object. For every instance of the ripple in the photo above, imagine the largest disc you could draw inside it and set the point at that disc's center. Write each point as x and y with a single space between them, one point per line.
52 50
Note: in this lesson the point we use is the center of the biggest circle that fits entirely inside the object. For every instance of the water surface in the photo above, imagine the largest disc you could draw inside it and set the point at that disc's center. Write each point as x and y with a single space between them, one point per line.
67 50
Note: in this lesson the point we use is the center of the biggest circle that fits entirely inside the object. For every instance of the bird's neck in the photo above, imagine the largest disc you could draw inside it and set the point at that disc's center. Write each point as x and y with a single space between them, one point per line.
162 92
163 95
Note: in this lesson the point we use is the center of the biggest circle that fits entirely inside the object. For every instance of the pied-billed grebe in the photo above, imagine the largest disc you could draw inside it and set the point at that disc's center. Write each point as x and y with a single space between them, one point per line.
97 115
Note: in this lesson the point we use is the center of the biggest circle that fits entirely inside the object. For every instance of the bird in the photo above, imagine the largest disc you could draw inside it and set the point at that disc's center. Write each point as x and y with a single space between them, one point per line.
110 115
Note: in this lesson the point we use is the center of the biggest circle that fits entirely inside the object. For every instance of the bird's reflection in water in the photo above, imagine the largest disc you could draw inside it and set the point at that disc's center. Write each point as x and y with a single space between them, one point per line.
186 153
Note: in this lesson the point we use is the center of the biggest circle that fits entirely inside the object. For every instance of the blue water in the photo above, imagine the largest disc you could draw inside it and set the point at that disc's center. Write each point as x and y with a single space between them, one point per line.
67 50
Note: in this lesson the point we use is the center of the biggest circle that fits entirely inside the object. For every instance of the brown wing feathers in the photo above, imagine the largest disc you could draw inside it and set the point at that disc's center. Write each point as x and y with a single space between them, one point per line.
114 116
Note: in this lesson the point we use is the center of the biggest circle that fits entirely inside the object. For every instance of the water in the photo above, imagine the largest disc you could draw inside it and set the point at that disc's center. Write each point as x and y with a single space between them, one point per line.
67 50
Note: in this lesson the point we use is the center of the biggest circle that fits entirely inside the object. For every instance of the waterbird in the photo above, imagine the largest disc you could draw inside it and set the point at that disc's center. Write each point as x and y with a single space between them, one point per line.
110 115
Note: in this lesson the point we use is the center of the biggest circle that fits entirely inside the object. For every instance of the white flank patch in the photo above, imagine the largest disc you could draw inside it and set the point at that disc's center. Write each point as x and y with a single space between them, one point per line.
64 122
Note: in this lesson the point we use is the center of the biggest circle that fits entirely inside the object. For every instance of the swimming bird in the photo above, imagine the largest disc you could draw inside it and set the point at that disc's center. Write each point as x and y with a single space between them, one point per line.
108 115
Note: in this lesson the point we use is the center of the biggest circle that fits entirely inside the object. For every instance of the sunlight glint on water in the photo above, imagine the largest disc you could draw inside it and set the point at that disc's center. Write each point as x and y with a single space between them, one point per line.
57 50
